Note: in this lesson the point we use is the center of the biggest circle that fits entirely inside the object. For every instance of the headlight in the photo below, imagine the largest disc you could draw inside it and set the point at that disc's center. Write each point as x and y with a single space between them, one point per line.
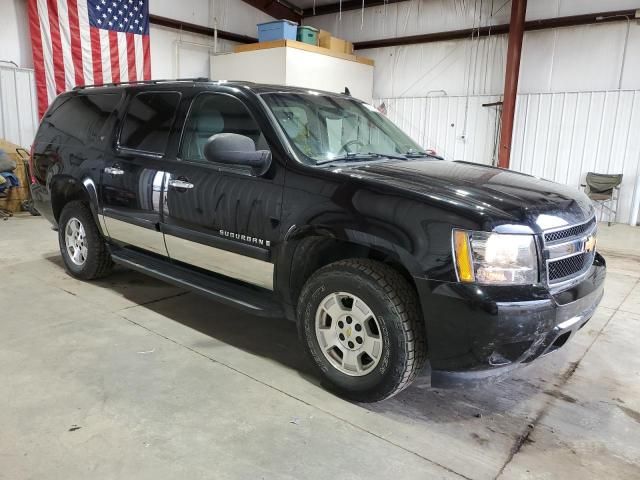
493 258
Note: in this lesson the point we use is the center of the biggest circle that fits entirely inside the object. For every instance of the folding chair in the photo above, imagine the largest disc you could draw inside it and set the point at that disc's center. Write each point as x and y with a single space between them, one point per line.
604 191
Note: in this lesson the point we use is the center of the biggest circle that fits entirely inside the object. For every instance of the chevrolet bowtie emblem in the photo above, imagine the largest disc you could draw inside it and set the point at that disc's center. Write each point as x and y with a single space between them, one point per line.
590 244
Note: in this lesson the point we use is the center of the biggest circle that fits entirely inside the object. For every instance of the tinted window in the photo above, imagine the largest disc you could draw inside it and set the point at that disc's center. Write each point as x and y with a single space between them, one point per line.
329 128
78 118
215 113
148 121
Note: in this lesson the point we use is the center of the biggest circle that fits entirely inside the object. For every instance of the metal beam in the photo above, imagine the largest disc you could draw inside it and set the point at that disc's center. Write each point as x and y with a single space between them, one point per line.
199 29
346 5
280 9
512 75
569 21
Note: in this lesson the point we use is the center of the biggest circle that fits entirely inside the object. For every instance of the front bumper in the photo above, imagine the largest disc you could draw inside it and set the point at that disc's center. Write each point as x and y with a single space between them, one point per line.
478 333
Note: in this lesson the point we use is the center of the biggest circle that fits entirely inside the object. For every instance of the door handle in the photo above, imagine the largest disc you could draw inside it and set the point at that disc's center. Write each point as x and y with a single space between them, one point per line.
180 184
114 171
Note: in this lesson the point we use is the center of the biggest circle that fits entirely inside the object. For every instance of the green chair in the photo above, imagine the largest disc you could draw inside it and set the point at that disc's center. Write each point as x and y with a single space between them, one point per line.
604 191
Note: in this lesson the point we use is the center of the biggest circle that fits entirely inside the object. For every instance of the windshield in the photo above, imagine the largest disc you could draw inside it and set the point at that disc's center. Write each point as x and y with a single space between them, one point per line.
326 129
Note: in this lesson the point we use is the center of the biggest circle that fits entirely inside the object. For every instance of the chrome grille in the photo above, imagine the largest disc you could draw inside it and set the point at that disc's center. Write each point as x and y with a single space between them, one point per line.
574 231
567 268
566 254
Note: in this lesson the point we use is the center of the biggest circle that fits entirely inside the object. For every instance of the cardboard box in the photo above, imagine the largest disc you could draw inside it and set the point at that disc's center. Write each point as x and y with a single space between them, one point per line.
337 45
323 38
348 47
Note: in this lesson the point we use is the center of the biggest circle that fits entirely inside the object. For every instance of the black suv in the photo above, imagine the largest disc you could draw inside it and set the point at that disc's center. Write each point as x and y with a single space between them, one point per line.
311 205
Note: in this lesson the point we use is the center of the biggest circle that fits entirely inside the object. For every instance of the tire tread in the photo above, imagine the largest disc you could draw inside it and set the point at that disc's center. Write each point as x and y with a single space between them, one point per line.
96 245
404 300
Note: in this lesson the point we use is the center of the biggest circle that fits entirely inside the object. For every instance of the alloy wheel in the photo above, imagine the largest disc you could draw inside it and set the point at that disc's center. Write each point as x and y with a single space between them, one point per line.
349 334
75 239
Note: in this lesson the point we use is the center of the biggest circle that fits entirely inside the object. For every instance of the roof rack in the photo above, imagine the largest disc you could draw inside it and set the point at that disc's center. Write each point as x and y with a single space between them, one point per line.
142 82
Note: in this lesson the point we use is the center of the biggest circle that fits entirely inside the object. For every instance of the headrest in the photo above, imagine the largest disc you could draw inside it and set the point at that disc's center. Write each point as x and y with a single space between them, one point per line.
209 123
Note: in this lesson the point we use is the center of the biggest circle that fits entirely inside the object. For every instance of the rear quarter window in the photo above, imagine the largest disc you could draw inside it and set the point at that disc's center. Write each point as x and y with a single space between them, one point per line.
148 121
77 119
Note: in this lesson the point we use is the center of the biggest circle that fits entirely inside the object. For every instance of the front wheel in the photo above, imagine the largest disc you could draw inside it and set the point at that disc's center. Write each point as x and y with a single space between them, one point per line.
83 249
360 323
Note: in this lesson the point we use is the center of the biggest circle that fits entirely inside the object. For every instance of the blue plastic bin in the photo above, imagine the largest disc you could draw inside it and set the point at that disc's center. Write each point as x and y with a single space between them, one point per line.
277 30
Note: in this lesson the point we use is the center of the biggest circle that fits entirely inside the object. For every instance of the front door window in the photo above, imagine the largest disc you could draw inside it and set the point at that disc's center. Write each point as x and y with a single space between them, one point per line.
217 113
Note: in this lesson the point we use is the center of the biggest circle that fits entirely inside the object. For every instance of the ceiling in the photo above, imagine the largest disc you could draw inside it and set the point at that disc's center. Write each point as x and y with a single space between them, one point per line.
304 4
296 9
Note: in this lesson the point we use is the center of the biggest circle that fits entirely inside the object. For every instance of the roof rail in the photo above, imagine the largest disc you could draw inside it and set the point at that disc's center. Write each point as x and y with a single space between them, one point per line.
142 82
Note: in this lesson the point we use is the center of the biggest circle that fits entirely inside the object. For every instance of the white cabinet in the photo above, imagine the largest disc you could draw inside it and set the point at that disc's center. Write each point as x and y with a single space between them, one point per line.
286 62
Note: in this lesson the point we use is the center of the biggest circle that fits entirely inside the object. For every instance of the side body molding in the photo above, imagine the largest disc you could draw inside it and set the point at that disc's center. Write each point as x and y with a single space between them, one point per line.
134 232
225 262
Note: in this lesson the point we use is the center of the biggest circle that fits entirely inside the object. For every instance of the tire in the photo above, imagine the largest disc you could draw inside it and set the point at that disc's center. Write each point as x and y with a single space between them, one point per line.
94 261
393 310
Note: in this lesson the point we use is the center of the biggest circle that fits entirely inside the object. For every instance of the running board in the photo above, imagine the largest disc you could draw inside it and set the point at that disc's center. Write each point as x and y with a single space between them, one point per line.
255 300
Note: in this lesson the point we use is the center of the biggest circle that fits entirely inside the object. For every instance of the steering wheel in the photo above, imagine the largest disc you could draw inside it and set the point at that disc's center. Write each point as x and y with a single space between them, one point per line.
348 144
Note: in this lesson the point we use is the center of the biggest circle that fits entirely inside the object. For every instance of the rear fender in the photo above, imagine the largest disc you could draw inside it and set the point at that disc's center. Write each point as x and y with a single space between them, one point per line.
65 188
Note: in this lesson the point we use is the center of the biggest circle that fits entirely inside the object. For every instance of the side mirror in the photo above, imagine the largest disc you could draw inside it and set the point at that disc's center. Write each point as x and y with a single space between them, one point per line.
234 149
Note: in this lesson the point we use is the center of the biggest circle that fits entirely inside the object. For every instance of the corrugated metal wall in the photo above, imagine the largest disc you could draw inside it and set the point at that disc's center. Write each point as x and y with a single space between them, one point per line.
558 136
459 128
563 136
18 117
602 56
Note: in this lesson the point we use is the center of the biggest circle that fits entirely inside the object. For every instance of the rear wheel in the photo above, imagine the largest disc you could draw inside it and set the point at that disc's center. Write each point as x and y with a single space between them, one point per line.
83 249
360 323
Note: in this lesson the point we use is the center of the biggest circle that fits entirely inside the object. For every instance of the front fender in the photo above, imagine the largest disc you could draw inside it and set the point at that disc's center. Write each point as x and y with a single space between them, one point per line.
307 248
388 246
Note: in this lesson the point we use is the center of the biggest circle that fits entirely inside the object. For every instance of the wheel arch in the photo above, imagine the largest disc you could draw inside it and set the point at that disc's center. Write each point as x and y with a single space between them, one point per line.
311 248
66 188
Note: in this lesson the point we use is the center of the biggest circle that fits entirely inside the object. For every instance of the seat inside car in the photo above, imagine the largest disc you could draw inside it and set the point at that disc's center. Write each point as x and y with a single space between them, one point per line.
207 123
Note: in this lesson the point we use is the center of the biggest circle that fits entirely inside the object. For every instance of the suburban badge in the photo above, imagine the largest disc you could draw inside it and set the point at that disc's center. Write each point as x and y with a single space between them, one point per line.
246 238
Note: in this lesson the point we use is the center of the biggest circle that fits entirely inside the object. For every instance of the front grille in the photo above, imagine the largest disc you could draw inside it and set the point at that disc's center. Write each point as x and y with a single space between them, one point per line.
569 267
565 251
569 232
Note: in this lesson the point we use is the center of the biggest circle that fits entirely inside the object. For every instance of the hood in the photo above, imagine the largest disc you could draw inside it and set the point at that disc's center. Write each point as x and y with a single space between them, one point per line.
498 199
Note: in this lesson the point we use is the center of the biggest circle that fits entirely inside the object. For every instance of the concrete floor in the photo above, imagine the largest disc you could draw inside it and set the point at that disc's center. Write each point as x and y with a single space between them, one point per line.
133 378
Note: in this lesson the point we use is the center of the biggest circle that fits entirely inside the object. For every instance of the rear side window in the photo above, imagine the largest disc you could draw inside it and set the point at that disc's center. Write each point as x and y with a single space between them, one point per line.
148 121
78 118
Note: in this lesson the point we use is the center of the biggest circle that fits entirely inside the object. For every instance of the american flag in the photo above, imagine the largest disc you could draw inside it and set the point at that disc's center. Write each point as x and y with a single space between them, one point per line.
86 42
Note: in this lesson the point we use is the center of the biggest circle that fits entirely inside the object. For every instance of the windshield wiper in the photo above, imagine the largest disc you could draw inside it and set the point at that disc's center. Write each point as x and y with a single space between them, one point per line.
358 157
420 154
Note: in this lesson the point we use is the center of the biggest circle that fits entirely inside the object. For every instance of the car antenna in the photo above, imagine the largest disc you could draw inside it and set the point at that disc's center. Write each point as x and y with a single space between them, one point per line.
346 91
